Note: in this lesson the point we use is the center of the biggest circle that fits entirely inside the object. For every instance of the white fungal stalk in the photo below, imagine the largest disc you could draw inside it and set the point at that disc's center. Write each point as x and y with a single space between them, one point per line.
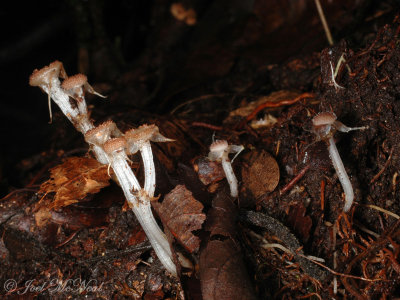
75 87
324 126
230 176
96 137
149 169
48 79
139 140
219 151
115 149
139 200
341 172
109 148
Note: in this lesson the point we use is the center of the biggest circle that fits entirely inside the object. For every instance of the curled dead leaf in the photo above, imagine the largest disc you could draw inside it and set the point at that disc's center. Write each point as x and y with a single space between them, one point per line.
181 213
223 273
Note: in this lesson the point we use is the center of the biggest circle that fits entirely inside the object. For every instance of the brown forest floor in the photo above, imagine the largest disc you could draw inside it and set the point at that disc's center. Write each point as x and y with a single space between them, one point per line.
251 73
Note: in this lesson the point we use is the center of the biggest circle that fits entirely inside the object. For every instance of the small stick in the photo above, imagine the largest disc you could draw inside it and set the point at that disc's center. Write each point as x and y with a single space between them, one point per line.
67 240
384 167
200 98
310 296
324 22
322 195
206 125
382 210
294 180
274 104
339 274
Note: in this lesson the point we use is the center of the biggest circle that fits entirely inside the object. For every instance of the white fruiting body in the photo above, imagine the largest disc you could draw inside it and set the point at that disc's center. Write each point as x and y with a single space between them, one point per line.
48 79
219 151
115 149
324 126
139 140
72 86
342 174
109 148
99 135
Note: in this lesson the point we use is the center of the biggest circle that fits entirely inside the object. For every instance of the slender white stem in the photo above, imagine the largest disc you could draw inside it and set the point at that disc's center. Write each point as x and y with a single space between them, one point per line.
341 172
230 176
142 210
101 156
156 237
149 169
61 98
83 124
125 175
82 106
77 117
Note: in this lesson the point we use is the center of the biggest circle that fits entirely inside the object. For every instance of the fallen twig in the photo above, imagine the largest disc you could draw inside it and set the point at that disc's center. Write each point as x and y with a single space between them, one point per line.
274 104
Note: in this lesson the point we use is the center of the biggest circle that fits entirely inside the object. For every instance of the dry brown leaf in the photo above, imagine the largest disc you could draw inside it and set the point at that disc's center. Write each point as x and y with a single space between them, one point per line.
182 214
74 179
262 173
223 272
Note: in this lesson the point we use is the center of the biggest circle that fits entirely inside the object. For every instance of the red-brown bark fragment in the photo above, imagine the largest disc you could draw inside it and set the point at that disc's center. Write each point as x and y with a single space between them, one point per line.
73 180
208 171
300 223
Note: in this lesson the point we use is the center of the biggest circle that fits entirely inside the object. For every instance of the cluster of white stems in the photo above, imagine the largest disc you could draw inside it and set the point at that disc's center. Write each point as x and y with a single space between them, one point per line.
111 147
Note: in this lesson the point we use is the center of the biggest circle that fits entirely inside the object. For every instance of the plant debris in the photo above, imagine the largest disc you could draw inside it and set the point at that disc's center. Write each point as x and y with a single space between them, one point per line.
252 73
223 274
182 214
73 180
260 173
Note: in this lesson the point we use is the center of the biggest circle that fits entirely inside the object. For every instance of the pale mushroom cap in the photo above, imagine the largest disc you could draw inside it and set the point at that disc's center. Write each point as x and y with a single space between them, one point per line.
144 132
324 118
101 133
43 76
219 146
218 150
73 82
115 144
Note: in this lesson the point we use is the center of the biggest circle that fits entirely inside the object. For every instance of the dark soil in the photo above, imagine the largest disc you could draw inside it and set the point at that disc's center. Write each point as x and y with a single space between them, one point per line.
241 61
